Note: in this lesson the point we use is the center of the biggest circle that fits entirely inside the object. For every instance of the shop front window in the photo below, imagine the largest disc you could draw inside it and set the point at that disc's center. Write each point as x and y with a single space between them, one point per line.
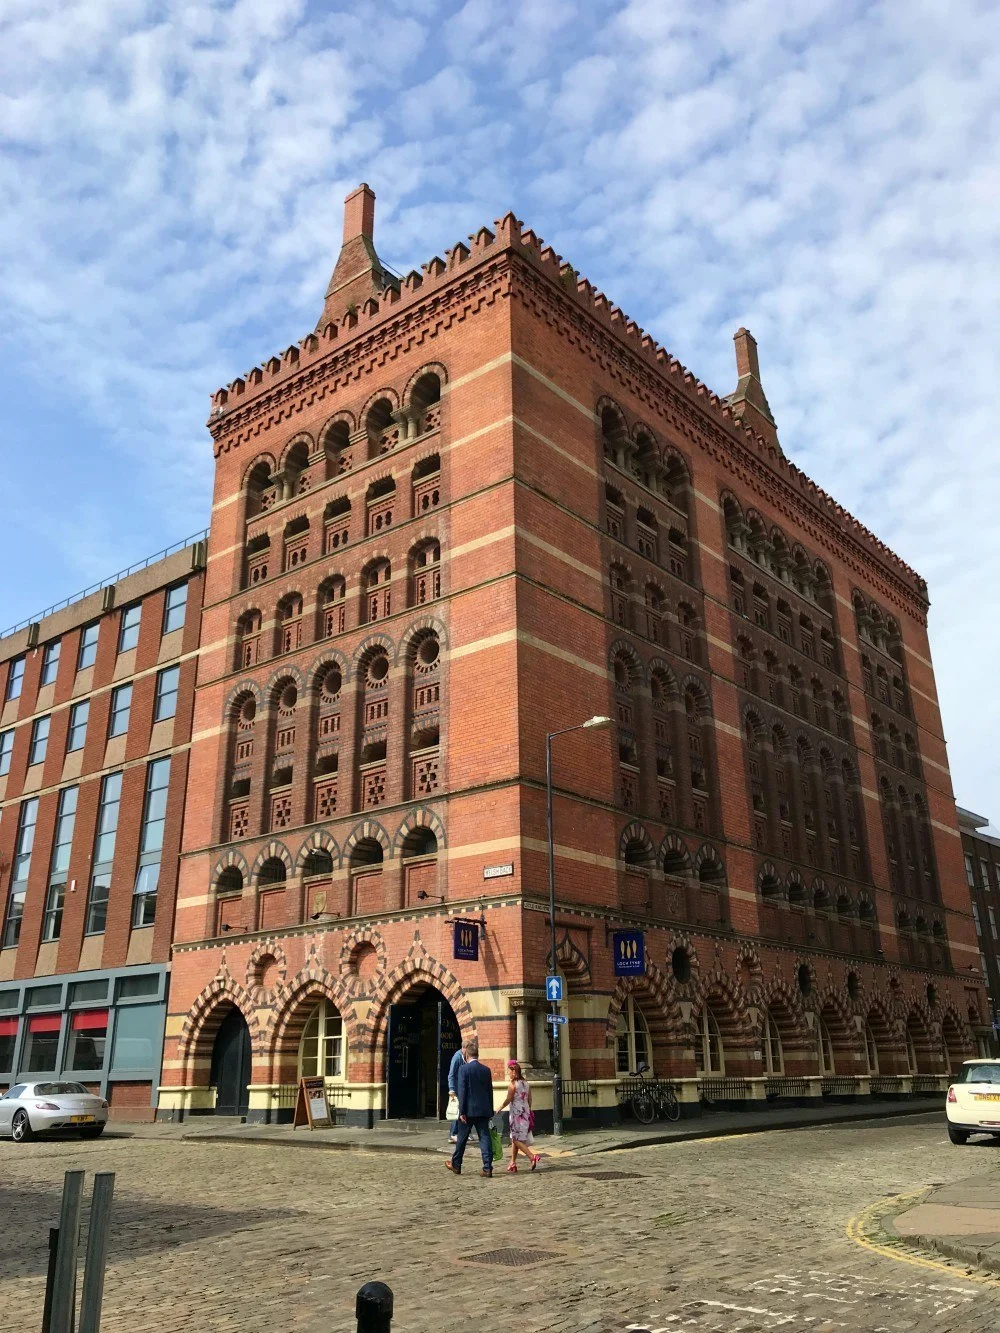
774 1059
321 1050
709 1054
42 1045
8 1037
88 1034
633 1044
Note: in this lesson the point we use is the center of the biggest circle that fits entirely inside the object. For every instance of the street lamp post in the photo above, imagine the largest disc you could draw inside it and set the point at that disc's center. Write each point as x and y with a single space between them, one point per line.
590 724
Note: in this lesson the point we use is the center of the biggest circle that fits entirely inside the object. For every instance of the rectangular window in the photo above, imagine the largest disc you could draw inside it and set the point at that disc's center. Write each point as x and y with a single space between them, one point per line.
19 873
16 678
43 997
104 853
175 607
97 903
78 717
166 693
993 922
128 629
87 1039
42 1046
6 750
138 1038
88 992
970 874
50 662
975 917
134 988
8 1039
984 867
151 843
121 707
87 654
62 845
39 740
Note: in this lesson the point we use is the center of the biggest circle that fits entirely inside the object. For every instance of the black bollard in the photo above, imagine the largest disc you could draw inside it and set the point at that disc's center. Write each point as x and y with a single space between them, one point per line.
374 1308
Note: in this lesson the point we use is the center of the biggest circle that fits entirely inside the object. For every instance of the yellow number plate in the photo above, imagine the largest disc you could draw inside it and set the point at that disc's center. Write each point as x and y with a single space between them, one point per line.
987 1096
81 1119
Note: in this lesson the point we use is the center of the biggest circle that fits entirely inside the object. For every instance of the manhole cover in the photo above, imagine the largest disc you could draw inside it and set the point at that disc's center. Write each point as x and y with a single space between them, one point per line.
511 1258
609 1175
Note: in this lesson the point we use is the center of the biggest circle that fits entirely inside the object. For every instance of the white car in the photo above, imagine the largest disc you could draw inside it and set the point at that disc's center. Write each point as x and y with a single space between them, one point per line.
973 1102
27 1109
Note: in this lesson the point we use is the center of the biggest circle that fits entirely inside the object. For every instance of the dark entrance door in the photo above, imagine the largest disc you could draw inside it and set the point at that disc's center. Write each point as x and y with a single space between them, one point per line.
423 1035
231 1065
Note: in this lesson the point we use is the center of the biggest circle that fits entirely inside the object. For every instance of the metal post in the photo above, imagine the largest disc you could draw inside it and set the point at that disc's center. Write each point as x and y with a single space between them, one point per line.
97 1252
64 1285
557 1106
50 1276
373 1308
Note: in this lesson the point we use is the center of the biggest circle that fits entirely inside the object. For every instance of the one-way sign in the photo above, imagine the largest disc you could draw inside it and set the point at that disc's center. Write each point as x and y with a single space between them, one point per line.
553 989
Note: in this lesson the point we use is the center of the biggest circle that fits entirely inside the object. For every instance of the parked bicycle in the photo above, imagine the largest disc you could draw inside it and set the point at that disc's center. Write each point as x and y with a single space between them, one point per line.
652 1097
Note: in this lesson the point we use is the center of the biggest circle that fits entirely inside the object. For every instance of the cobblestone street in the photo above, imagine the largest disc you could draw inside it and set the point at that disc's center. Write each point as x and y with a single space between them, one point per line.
728 1234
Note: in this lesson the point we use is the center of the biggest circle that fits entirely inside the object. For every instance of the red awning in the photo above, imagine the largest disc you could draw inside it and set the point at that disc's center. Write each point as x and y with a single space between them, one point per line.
8 1027
45 1023
93 1018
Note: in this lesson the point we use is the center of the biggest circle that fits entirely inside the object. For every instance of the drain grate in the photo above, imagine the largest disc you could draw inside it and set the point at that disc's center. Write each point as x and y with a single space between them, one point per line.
511 1258
609 1175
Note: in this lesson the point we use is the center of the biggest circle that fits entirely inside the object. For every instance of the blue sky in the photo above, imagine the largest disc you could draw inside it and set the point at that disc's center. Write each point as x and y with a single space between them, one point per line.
824 171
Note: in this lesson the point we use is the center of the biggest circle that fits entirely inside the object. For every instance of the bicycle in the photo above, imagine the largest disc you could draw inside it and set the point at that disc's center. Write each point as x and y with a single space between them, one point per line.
651 1098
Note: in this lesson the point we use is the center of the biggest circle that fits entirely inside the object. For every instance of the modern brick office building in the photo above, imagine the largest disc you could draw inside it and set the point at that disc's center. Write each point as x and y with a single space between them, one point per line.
95 726
474 506
982 871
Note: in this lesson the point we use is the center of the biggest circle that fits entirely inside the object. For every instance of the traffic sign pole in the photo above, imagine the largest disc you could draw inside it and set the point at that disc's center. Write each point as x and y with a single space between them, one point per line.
557 1106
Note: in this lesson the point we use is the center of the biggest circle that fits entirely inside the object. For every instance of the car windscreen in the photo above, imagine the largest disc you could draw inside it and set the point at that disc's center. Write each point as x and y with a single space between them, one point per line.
979 1074
65 1089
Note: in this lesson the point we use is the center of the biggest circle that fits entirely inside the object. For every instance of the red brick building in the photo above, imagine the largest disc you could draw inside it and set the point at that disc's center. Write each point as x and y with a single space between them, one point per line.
95 725
477 505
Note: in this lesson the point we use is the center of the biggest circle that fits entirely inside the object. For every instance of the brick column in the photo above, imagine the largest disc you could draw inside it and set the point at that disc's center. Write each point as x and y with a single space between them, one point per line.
348 786
396 748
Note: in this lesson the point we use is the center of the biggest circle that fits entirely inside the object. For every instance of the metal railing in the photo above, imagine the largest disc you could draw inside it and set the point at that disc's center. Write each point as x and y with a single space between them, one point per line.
578 1091
838 1085
777 1085
723 1089
881 1083
106 583
927 1082
633 1087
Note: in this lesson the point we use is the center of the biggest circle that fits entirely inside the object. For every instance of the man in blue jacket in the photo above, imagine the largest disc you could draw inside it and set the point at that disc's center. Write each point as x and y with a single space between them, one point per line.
475 1108
457 1060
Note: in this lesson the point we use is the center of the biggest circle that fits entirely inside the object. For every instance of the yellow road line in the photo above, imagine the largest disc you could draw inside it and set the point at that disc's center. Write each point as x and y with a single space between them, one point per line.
856 1231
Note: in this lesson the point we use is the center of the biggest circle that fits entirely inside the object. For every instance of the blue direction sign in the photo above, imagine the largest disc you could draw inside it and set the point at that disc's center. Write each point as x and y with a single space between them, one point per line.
553 989
556 1018
630 953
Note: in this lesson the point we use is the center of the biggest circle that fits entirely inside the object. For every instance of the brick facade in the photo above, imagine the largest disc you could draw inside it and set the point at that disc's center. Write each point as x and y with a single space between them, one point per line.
479 505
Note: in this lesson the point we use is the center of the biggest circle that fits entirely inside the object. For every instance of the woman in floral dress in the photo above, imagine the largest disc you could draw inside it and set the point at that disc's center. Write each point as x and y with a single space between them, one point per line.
519 1101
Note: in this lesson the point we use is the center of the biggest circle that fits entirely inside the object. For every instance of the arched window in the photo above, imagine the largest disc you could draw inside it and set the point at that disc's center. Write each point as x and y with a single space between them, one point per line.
620 604
296 543
272 871
248 652
642 459
656 605
746 659
380 506
674 481
258 560
807 636
321 1050
827 649
735 525
709 1053
230 881
633 1046
382 434
337 448
333 606
739 590
426 480
612 435
840 713
614 512
419 841
425 403
375 706
366 854
821 713
318 862
912 1063
637 854
296 470
761 607
260 489
425 564
677 553
774 1056
687 624
784 621
337 524
375 584
824 1048
871 1049
647 538
289 623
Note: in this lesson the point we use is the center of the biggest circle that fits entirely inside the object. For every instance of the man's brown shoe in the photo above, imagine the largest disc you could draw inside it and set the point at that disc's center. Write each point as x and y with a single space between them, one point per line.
487 1174
451 1166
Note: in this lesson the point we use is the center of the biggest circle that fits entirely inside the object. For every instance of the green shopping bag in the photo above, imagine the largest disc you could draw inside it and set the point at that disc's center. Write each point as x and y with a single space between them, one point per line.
496 1138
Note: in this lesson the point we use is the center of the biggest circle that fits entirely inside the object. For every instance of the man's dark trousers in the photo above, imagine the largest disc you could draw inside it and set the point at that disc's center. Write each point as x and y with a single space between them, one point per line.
481 1124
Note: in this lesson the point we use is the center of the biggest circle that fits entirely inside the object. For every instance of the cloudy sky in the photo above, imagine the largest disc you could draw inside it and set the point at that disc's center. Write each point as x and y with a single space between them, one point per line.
824 171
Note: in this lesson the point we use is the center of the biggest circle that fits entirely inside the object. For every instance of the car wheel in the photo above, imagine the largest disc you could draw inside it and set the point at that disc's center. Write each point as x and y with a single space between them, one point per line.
21 1130
92 1132
958 1135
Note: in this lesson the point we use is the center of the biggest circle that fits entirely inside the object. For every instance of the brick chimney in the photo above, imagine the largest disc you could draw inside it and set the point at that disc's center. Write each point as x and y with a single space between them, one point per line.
747 400
358 273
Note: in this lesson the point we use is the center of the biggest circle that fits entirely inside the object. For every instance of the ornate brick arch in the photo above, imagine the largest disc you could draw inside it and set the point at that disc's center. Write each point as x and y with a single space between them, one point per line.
364 648
654 984
263 950
300 437
635 832
571 962
727 1001
659 666
320 840
750 971
319 665
205 1017
422 817
640 427
292 1007
271 850
707 852
283 673
335 420
670 454
679 940
237 692
227 860
622 648
418 626
605 401
419 967
431 368
950 1010
831 1000
702 692
356 940
267 458
389 394
371 828
779 995
676 845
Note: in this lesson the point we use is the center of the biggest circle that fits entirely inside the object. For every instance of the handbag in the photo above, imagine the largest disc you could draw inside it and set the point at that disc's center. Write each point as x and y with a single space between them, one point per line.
496 1138
452 1112
531 1122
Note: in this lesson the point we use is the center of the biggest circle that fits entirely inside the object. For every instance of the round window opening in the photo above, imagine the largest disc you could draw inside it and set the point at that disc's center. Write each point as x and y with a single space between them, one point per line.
332 683
931 995
621 675
378 668
853 985
248 710
680 964
429 651
805 980
289 697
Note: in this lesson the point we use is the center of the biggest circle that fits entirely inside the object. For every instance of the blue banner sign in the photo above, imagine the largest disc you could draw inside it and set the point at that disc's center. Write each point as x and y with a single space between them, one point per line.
630 953
467 941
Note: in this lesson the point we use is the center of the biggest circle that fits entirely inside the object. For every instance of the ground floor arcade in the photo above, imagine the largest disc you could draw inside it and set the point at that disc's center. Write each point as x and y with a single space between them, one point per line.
379 1008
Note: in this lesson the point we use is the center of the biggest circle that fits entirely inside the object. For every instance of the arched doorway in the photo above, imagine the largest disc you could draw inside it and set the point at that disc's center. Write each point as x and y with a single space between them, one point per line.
422 1036
230 1074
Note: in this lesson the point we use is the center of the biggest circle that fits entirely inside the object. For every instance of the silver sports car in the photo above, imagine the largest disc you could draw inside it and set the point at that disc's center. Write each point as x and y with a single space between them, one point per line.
27 1109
